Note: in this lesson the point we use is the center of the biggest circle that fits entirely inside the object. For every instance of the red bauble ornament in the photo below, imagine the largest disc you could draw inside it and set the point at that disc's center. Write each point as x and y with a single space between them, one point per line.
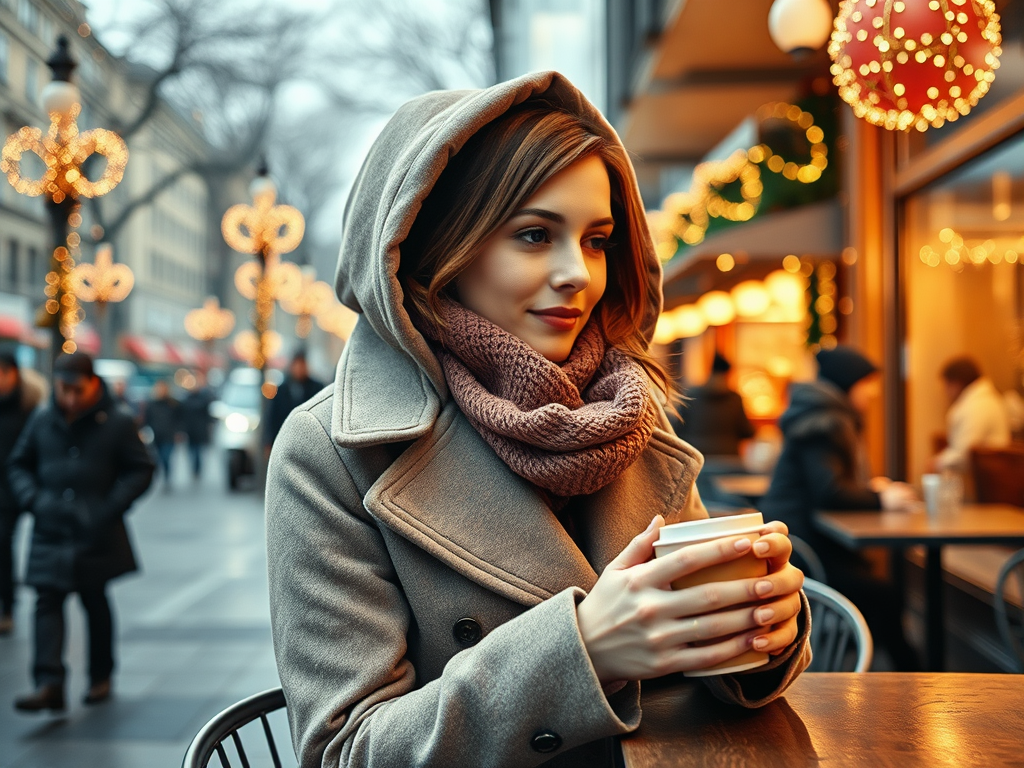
914 63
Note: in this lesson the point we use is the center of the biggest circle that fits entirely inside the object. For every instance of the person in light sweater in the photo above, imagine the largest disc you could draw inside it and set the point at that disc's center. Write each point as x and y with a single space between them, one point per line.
976 418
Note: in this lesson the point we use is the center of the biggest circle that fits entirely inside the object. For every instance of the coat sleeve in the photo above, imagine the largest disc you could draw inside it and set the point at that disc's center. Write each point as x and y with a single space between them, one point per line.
22 463
341 623
135 468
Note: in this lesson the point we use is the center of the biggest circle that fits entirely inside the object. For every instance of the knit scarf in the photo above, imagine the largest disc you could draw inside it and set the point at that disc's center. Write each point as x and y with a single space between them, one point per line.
568 428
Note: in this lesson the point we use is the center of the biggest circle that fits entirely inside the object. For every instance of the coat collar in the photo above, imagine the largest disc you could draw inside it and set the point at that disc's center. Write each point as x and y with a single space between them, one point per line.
452 496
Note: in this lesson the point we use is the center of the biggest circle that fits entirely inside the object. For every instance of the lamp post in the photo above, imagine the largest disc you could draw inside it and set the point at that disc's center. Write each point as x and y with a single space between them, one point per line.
265 230
209 322
64 150
102 282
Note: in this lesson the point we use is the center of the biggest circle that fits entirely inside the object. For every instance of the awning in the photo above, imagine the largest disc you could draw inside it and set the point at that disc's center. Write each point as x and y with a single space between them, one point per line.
759 246
148 349
18 330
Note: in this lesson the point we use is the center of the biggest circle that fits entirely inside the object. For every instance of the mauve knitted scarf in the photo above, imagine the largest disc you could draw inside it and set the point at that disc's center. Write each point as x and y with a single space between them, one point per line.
569 428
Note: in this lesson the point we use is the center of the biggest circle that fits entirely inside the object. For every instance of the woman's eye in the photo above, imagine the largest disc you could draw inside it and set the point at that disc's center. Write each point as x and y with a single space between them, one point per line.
597 243
535 236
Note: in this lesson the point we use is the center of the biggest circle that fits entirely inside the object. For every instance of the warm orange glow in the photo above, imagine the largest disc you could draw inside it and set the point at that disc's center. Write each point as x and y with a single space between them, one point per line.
210 321
717 307
102 281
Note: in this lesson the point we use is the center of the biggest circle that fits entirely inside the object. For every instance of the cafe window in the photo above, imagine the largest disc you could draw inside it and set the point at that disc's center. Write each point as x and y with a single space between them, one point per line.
961 253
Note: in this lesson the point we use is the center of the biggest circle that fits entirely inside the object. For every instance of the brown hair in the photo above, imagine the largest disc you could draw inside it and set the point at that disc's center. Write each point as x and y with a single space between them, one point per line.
498 169
961 370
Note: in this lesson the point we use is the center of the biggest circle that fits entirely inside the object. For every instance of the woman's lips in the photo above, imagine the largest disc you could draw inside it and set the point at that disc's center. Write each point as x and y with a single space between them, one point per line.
559 318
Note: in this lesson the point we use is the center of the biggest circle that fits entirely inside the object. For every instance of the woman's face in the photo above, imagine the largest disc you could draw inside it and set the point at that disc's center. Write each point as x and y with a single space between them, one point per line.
541 274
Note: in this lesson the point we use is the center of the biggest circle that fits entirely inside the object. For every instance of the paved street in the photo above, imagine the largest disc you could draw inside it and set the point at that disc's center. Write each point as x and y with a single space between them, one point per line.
193 630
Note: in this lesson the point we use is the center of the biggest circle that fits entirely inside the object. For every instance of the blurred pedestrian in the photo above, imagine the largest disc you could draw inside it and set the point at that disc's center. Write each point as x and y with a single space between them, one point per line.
823 466
713 419
17 399
77 467
197 421
163 417
296 389
977 415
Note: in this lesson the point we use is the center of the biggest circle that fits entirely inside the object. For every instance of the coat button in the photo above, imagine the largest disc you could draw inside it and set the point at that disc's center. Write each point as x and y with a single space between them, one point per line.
68 495
73 452
546 741
467 631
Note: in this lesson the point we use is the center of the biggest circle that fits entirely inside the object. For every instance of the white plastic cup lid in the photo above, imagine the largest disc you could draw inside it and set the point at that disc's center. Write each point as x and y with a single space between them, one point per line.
710 528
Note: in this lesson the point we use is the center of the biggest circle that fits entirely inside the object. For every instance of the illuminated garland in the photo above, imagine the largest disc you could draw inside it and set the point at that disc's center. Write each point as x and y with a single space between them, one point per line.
958 253
685 216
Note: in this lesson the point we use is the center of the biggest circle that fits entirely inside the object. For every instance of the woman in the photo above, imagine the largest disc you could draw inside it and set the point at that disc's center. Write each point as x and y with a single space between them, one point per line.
493 441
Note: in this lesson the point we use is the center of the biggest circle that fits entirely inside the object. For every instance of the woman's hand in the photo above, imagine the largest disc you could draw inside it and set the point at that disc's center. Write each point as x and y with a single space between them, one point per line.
635 626
898 497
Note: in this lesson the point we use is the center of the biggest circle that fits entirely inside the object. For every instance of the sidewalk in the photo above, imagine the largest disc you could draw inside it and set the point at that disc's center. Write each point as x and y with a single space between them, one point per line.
193 633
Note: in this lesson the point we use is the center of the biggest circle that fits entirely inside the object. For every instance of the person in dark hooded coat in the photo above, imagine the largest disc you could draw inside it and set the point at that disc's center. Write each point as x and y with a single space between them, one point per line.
78 467
822 466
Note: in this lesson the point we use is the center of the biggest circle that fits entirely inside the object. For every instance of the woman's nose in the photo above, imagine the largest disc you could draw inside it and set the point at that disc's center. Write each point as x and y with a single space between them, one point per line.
569 270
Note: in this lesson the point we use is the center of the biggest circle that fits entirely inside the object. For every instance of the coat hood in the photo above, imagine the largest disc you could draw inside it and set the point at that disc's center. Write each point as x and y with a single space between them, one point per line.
398 388
817 408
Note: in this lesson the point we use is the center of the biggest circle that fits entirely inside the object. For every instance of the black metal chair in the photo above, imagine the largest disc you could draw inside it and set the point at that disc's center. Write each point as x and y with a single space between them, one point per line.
807 560
840 638
213 738
1010 617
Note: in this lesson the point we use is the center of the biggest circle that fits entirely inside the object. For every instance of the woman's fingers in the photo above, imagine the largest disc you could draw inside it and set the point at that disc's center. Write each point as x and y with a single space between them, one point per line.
707 598
689 658
774 547
776 640
663 571
641 548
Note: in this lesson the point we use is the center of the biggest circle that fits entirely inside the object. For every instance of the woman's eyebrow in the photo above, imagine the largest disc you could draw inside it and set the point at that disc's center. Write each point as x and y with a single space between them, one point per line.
557 218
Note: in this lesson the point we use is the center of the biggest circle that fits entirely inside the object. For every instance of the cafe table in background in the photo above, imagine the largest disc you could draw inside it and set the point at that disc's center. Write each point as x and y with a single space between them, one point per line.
971 524
877 719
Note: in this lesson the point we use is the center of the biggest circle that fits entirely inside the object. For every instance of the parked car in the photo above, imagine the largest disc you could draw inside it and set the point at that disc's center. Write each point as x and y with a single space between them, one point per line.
238 411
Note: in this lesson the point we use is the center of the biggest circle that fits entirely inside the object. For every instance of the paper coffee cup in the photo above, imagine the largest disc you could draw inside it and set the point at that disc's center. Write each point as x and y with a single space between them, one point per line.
931 486
675 537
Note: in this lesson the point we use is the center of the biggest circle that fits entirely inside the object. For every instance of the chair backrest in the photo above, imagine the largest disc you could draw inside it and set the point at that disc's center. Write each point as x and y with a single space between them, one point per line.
806 559
998 474
1010 613
840 638
251 749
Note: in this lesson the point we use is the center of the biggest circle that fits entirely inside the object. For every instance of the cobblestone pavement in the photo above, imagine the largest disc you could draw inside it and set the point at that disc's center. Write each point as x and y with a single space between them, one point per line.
193 635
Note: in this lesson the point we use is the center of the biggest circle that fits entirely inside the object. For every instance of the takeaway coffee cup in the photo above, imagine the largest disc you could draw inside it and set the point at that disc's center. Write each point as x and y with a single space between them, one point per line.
675 537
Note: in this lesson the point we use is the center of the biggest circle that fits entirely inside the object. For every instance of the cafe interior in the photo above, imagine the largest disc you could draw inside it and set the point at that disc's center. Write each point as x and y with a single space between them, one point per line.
794 212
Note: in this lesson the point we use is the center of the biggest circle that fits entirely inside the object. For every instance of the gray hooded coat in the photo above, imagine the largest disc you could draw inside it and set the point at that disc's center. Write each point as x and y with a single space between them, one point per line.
423 596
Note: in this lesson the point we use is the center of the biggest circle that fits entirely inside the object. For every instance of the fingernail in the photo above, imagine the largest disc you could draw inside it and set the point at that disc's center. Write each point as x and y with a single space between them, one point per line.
650 525
763 587
761 547
742 545
760 643
765 615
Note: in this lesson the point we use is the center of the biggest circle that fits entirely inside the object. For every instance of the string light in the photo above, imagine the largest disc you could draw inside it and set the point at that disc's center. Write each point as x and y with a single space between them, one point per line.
102 281
210 321
955 251
685 216
339 320
313 297
914 63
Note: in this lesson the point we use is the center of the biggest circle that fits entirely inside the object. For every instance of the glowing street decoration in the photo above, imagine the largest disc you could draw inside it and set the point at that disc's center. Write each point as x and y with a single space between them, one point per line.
102 281
313 297
914 63
209 322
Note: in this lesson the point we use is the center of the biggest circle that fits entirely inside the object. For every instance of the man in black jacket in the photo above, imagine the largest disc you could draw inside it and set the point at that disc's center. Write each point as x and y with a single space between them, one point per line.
17 399
296 389
78 467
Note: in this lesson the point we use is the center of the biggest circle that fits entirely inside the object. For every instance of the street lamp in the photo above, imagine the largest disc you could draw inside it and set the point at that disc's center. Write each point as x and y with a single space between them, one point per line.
209 322
314 297
102 282
265 230
64 150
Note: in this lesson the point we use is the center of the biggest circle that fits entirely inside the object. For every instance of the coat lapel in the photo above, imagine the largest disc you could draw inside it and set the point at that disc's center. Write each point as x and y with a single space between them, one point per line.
452 496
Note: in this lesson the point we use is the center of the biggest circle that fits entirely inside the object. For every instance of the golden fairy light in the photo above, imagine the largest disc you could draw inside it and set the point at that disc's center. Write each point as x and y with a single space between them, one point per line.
914 63
954 250
102 281
313 297
685 216
63 149
210 321
266 230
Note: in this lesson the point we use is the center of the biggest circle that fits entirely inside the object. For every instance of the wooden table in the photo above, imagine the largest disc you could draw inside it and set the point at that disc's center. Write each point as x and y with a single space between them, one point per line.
974 524
750 487
844 719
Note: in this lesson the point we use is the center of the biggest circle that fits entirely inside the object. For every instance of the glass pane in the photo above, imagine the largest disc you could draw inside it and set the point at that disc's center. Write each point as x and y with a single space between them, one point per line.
962 249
